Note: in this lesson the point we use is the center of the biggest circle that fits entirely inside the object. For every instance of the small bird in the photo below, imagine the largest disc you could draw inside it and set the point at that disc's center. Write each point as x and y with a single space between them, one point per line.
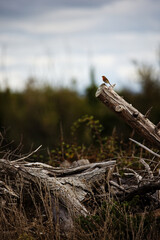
106 80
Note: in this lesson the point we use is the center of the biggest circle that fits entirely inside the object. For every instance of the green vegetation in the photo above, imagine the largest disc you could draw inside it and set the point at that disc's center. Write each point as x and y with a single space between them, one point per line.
41 115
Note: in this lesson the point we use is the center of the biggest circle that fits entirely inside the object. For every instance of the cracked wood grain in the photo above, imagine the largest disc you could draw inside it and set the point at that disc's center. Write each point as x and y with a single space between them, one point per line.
129 114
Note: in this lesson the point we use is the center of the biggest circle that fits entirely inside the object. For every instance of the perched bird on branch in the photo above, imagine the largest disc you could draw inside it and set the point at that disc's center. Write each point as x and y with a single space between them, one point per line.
107 81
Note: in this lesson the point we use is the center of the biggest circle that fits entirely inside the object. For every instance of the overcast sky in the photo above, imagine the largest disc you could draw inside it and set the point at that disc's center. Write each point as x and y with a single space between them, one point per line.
60 40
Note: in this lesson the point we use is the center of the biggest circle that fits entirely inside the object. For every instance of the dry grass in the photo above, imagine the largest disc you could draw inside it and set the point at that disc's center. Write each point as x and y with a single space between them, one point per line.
30 219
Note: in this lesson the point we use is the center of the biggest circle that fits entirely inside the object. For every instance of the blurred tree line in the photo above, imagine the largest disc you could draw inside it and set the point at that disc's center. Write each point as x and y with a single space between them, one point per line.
43 115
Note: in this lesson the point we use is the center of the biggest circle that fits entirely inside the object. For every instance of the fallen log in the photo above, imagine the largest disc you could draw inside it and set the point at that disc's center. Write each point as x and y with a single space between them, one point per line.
67 189
130 115
65 194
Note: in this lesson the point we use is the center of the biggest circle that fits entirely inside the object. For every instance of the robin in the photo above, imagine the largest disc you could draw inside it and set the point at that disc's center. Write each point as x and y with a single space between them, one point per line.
106 80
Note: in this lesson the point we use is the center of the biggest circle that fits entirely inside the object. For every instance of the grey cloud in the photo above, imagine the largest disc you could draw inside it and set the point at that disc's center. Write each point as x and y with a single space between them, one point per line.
21 8
118 16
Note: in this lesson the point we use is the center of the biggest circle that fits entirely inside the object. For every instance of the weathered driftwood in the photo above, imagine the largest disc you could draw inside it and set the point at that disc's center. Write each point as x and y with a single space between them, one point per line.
68 188
72 192
131 115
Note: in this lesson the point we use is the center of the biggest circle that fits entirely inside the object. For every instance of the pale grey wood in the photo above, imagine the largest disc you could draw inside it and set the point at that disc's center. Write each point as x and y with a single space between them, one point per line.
131 115
68 187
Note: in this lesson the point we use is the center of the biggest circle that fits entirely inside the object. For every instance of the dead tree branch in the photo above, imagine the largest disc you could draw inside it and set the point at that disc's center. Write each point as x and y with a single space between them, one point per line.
131 115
